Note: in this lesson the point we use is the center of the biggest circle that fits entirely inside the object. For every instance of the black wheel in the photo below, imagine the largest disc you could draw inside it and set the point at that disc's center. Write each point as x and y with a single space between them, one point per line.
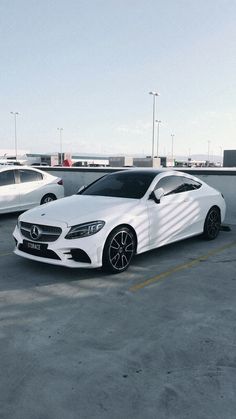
119 250
48 198
212 224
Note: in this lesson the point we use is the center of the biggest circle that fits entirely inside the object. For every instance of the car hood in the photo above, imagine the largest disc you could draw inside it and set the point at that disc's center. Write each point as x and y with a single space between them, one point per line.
78 209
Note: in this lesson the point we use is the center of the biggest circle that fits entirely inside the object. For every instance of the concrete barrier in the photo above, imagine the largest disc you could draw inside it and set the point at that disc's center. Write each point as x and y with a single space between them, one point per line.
223 179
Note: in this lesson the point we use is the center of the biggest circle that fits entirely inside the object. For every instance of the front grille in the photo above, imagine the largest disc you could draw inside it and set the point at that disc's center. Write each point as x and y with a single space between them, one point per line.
48 233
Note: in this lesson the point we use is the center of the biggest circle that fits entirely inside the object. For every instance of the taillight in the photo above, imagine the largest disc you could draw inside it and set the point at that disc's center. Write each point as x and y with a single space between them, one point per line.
60 182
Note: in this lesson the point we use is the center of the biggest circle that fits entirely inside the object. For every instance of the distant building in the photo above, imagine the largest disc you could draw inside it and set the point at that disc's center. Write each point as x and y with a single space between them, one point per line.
229 158
42 159
11 153
121 161
8 156
89 161
126 161
147 162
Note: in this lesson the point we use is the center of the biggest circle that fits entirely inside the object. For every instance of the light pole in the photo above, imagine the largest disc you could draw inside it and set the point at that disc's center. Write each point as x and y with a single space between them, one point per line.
221 155
154 94
208 152
15 115
172 148
60 131
158 135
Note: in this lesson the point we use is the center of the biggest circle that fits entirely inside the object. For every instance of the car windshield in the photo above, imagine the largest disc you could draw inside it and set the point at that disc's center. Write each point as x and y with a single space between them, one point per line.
122 185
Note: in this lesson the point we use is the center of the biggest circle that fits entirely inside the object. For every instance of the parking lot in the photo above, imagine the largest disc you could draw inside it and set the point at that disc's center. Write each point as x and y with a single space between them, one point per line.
158 341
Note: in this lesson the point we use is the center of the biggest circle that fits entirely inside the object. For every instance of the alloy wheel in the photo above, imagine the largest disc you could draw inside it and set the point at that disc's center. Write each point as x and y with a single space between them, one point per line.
119 250
212 224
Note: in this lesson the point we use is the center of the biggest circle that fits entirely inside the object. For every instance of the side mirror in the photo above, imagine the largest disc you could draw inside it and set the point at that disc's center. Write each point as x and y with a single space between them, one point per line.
81 189
158 194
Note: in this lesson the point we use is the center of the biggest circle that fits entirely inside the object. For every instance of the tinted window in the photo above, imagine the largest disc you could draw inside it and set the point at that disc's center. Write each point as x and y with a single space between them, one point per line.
7 178
177 184
170 184
190 184
122 185
29 176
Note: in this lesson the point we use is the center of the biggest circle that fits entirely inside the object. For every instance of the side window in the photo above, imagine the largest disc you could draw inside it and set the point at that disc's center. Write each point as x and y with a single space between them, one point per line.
177 184
190 184
29 176
7 178
171 184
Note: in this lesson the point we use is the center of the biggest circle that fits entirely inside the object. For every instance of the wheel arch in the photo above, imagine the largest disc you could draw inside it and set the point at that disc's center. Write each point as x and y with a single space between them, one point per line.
48 194
127 226
213 207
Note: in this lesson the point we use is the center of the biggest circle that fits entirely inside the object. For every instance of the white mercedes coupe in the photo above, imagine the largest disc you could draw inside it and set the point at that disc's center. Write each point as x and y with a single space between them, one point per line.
119 215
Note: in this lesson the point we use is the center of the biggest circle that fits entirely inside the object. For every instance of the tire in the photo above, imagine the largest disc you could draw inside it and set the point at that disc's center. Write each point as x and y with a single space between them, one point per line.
48 198
119 250
212 224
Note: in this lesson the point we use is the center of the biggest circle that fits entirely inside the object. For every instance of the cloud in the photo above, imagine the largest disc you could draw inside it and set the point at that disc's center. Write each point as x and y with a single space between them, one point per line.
214 115
138 128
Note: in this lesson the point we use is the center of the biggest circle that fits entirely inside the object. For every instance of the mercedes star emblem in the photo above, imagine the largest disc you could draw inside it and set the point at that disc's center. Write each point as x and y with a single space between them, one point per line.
35 233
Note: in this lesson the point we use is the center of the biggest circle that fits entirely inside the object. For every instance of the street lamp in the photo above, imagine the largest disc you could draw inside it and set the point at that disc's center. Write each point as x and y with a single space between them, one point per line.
15 115
172 148
154 94
158 135
60 131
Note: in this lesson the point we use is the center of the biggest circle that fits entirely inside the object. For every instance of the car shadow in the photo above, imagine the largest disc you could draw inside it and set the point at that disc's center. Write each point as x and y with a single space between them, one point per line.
27 273
20 273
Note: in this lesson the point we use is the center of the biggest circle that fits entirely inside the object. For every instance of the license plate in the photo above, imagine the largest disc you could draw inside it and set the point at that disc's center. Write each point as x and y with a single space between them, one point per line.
34 246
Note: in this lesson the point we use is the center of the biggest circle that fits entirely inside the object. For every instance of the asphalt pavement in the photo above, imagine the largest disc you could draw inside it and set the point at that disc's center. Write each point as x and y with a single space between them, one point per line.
155 342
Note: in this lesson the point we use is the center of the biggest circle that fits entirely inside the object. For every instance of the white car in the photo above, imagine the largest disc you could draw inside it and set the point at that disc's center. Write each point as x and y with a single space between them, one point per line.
22 187
120 215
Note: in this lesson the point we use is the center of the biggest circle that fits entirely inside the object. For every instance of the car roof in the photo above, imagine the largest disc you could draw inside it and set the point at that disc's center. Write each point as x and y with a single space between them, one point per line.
16 167
155 172
162 172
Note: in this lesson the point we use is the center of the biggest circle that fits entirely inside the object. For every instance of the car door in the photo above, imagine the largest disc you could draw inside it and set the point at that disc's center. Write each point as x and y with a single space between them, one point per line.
30 184
9 192
177 214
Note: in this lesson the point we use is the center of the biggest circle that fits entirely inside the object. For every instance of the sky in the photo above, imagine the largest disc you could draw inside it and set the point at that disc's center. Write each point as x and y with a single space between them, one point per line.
87 66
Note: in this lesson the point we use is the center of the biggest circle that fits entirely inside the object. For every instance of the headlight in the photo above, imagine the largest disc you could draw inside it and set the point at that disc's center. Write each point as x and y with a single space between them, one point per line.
84 230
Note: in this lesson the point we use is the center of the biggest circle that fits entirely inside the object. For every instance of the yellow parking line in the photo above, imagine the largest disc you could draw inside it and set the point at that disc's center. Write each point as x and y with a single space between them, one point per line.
180 267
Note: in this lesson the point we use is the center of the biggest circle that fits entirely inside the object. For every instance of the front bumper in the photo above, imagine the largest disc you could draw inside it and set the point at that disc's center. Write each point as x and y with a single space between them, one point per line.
61 248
